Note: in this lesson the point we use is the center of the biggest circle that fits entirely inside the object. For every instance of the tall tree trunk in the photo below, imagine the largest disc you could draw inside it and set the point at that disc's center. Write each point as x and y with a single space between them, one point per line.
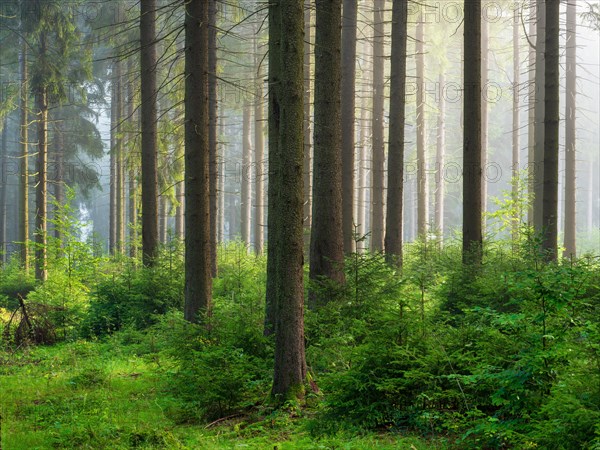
221 182
531 106
551 123
570 132
307 127
275 67
24 180
327 239
539 134
212 129
132 162
59 183
41 192
472 169
3 188
290 363
422 194
395 193
149 132
198 279
516 125
484 111
112 208
440 159
348 49
119 166
362 171
377 169
246 190
259 156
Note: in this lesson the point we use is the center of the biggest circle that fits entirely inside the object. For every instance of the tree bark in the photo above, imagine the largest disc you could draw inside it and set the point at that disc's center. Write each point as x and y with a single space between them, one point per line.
472 169
516 126
212 129
539 134
307 127
41 192
112 213
348 92
59 179
395 193
198 279
149 132
484 112
551 124
570 242
377 169
290 363
119 166
531 105
3 188
274 163
327 238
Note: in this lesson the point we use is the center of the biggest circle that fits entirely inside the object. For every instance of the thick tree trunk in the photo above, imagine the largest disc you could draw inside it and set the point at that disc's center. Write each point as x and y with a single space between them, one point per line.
377 169
259 156
395 193
198 279
472 169
516 126
290 363
570 132
551 124
539 134
307 127
212 129
440 159
149 132
422 194
327 239
24 179
246 190
348 91
274 205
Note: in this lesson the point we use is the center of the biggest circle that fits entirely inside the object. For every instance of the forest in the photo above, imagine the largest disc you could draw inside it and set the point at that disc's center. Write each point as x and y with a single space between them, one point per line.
300 224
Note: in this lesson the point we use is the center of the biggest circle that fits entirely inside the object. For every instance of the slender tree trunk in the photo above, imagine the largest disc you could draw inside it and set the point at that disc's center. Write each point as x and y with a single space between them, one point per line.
259 156
149 132
472 168
592 196
119 166
132 162
377 169
570 132
422 194
348 91
3 188
327 239
212 129
198 280
221 182
516 125
112 220
246 191
307 127
539 134
440 159
362 171
395 193
290 363
275 36
41 272
59 186
24 179
551 124
484 111
531 105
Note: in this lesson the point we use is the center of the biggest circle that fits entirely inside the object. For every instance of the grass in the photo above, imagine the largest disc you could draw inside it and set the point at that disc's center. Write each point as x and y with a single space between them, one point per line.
94 395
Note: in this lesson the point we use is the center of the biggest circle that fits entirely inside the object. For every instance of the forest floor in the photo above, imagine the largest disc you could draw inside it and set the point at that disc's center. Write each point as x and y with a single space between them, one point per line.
99 395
